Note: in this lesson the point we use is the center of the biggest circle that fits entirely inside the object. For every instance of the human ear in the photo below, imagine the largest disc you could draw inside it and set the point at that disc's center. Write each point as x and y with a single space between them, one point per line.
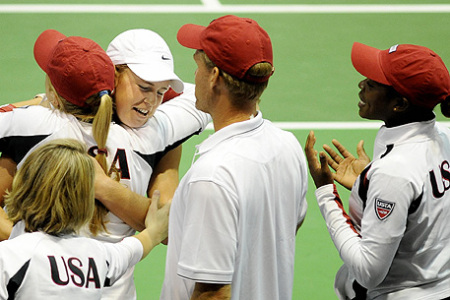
215 73
214 76
401 104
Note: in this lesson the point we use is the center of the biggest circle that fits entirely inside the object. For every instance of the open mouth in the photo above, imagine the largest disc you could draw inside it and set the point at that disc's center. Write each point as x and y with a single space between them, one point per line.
361 101
141 111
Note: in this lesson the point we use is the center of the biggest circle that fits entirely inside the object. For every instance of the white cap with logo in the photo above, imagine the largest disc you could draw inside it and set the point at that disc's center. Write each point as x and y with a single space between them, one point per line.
146 54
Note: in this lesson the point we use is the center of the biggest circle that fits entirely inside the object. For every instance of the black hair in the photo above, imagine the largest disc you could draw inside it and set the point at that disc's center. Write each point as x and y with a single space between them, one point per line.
445 107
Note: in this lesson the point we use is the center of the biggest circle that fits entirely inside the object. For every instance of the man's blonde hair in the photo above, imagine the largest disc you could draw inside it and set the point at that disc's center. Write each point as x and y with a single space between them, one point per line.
53 191
243 92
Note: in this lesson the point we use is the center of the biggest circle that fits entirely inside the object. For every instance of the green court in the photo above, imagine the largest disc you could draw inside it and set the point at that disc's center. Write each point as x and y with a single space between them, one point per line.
314 80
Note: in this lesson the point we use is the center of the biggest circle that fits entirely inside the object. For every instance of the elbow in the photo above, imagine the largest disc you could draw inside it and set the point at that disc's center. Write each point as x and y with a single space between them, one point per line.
368 268
370 281
370 275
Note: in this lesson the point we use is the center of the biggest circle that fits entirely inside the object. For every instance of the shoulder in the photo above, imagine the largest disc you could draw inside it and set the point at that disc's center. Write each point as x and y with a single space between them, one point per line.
189 88
21 247
33 118
275 141
279 133
29 112
396 163
442 129
398 174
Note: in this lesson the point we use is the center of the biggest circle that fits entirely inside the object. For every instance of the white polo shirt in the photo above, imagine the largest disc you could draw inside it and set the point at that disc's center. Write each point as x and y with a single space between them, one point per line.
234 216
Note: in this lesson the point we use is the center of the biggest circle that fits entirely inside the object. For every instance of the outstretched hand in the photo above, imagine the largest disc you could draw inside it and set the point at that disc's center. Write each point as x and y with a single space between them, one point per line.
346 166
319 170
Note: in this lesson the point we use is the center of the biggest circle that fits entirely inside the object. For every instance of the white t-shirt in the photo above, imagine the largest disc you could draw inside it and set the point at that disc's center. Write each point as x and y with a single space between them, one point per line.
40 266
233 218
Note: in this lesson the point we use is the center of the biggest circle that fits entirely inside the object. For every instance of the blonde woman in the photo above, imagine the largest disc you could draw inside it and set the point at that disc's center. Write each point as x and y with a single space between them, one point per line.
133 153
79 81
53 195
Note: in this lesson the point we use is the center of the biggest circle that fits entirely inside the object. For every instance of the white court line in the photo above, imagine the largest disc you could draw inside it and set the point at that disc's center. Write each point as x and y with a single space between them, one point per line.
211 3
329 125
214 6
210 6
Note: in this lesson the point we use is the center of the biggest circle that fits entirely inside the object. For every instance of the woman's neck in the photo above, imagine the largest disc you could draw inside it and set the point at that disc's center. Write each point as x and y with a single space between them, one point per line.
414 114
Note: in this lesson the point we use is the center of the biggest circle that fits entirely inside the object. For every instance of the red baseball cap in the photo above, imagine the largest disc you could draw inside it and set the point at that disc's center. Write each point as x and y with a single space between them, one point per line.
77 67
416 72
234 44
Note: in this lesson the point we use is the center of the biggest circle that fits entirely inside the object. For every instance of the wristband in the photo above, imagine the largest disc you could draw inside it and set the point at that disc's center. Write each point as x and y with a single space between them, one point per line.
6 108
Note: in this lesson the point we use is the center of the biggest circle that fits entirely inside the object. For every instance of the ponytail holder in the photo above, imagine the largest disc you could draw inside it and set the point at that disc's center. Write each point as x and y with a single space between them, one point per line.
102 93
102 151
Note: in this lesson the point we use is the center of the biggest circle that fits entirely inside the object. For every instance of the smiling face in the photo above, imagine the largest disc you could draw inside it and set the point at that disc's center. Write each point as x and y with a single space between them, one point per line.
377 101
137 100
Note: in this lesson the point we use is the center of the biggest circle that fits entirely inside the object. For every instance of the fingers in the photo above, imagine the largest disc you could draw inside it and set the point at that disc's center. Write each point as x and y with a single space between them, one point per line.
324 165
321 174
155 209
331 152
360 150
155 200
323 162
342 150
318 168
310 140
311 155
333 158
156 196
309 148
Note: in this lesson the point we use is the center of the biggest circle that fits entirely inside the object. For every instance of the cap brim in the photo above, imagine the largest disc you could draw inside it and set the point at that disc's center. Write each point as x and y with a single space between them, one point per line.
146 73
44 46
367 61
189 36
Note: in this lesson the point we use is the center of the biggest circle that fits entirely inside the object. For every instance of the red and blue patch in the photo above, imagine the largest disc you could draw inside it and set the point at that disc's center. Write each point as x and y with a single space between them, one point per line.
383 208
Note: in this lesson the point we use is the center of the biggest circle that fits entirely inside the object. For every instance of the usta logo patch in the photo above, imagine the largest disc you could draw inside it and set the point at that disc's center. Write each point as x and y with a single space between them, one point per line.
383 208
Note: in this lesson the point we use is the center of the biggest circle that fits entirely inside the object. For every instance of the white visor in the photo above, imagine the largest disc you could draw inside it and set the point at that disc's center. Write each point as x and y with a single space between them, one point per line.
147 55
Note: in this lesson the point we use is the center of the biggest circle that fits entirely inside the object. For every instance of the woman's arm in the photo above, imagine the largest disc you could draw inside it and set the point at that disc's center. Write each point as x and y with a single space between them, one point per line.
5 225
7 170
132 207
156 225
35 101
165 177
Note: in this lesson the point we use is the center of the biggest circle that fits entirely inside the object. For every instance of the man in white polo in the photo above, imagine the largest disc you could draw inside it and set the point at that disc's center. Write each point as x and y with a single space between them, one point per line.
235 215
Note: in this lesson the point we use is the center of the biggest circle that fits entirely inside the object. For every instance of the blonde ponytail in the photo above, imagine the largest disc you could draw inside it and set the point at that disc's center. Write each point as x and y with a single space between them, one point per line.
99 111
100 130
